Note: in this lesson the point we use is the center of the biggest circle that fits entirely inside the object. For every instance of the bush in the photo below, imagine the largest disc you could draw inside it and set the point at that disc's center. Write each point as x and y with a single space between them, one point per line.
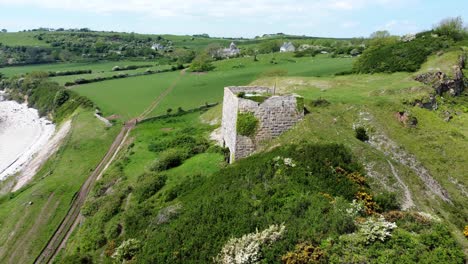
304 253
387 201
127 250
202 63
361 134
247 124
398 56
149 184
247 249
452 28
169 159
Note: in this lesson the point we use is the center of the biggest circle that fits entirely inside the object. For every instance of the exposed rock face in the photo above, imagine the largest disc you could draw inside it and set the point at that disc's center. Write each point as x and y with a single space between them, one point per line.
276 115
430 104
444 84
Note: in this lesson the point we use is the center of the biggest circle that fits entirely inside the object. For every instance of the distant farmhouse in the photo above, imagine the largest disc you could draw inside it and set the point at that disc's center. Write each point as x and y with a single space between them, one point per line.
252 115
232 51
287 47
157 46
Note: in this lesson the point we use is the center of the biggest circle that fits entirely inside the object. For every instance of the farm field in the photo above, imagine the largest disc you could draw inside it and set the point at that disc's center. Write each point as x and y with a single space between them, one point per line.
106 73
40 206
192 89
105 66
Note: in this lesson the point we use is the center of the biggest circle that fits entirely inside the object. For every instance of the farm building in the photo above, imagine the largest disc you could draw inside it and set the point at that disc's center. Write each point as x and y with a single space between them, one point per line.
232 51
287 47
157 46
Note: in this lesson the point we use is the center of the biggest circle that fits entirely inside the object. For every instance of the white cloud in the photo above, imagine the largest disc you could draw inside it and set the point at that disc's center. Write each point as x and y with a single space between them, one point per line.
210 8
399 27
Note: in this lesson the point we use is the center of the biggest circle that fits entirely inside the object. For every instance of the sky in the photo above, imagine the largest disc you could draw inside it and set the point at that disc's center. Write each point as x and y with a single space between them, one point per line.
233 18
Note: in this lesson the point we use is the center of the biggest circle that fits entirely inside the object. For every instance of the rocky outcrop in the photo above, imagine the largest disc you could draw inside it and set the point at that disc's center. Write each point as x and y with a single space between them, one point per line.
406 119
442 83
427 103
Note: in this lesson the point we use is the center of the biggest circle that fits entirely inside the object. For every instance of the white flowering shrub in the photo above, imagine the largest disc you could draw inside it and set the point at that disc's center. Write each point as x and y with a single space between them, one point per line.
355 209
247 249
374 229
127 250
289 162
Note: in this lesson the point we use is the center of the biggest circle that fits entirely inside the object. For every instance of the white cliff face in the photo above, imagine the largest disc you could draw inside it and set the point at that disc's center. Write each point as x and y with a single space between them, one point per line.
22 134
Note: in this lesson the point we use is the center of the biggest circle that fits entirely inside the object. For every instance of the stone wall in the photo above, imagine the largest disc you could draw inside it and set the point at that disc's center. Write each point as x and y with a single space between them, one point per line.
276 115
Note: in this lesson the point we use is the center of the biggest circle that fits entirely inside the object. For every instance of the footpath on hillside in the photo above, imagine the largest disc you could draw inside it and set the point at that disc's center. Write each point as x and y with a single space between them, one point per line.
73 217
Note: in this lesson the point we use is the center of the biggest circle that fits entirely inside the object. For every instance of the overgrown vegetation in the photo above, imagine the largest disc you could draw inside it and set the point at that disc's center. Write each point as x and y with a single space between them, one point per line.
247 124
47 97
311 189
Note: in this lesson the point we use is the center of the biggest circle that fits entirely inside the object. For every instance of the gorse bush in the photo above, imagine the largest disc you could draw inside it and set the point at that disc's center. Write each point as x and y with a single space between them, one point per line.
148 185
168 159
304 253
399 56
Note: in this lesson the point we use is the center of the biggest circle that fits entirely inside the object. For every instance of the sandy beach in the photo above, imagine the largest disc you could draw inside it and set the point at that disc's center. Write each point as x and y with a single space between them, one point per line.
22 135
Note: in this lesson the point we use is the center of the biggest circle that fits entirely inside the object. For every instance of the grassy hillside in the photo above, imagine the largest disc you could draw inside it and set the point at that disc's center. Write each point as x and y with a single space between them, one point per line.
30 216
372 101
21 39
189 212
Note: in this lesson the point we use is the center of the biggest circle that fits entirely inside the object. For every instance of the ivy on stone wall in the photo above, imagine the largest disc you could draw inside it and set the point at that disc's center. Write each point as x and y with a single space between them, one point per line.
247 124
300 104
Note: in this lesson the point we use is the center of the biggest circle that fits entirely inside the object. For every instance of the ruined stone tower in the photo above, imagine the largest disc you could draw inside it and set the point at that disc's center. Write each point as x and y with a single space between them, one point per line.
254 114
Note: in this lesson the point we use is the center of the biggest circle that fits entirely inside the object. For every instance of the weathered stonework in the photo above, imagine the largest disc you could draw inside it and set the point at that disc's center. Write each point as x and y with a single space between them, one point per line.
276 115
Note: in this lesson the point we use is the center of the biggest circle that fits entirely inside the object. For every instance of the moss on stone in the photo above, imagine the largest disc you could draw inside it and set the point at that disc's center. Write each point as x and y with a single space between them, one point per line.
300 104
247 124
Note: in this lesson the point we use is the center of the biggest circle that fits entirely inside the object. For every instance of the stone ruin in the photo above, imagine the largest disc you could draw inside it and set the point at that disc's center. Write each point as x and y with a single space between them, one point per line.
274 114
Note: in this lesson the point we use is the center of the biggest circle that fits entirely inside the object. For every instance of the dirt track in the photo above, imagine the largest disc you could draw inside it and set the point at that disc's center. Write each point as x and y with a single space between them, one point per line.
73 217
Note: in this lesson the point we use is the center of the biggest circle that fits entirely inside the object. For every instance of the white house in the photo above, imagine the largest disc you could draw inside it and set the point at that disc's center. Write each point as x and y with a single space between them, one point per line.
232 51
157 46
287 47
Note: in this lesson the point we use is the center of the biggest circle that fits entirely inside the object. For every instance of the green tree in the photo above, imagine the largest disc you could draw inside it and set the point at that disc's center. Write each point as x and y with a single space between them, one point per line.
451 27
202 63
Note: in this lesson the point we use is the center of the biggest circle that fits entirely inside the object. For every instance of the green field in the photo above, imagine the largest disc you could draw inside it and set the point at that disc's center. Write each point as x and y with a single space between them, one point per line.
96 67
29 217
21 39
127 97
108 72
131 96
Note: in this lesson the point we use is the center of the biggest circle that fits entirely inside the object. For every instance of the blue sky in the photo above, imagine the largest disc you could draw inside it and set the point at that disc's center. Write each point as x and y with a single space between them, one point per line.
233 18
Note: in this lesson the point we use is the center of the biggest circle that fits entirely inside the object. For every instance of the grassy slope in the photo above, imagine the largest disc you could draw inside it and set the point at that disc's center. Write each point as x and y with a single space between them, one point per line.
379 94
24 229
21 39
137 159
439 145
